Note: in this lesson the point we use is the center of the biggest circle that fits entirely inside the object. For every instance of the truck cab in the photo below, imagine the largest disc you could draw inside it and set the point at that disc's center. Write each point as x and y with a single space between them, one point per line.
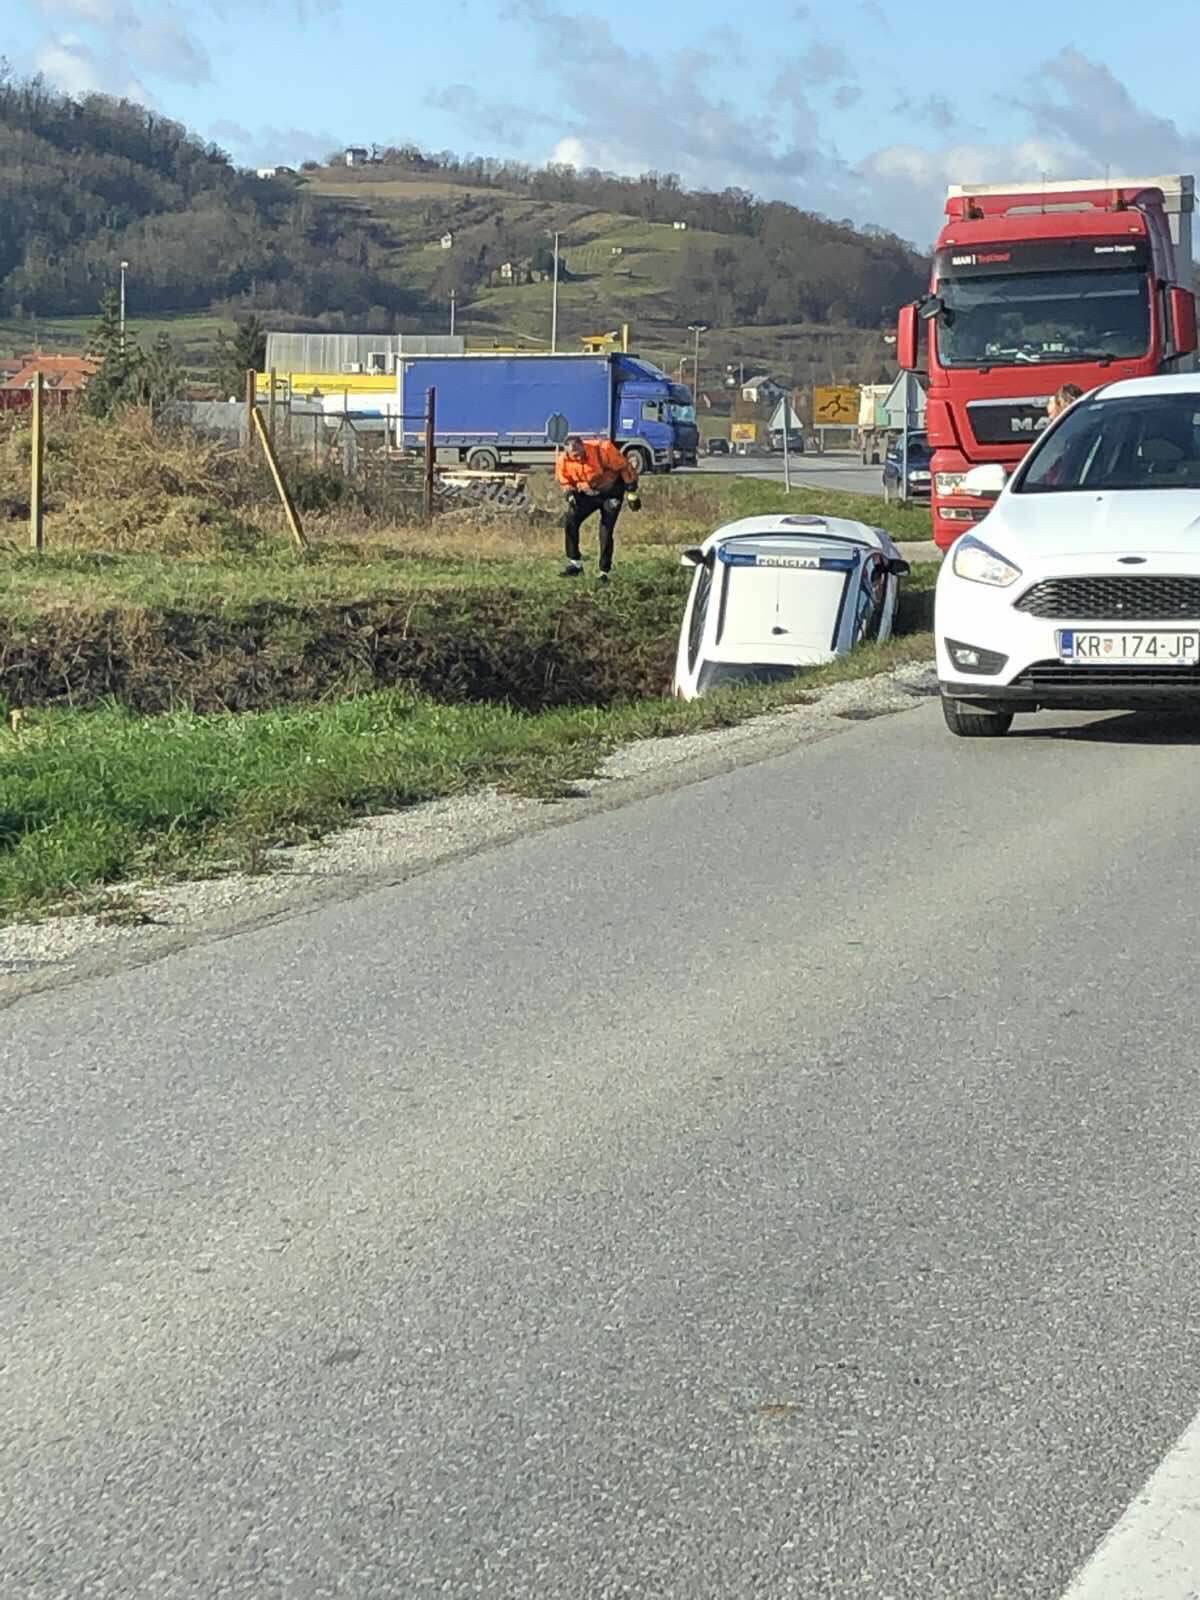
654 420
1033 287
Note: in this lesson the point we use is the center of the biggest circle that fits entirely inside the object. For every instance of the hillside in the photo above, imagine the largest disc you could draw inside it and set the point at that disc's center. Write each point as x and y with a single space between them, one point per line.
85 184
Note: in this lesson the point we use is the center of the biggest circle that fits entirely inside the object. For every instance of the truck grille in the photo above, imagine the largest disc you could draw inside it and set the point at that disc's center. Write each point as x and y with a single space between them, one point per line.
1141 598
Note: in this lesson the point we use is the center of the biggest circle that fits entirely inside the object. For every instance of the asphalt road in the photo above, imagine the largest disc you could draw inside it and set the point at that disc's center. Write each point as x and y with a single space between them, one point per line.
821 472
782 1186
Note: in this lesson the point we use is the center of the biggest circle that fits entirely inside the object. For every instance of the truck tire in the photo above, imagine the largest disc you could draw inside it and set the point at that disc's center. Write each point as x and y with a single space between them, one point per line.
639 459
483 460
975 722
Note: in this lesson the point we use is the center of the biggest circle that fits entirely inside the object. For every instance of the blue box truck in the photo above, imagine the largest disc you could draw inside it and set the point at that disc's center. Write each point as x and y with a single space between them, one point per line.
491 408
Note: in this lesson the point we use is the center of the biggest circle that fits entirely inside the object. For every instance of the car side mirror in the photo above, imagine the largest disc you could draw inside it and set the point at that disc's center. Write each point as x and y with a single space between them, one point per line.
693 556
985 482
898 567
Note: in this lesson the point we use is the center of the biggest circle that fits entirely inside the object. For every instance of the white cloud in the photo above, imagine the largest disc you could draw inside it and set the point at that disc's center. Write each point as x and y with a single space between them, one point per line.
108 45
69 63
659 112
271 146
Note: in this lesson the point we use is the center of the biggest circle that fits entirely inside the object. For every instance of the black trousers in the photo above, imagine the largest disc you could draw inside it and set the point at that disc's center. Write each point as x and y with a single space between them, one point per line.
608 504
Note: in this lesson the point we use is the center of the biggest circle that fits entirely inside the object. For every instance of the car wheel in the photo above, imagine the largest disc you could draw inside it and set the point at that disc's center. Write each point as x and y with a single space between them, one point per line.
975 722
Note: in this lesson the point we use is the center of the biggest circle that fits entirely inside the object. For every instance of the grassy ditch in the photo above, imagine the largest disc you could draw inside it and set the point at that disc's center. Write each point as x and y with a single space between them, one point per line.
89 799
191 691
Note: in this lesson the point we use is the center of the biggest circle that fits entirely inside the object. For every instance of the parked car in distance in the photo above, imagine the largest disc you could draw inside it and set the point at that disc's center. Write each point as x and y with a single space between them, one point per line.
717 447
773 594
1081 589
795 441
919 469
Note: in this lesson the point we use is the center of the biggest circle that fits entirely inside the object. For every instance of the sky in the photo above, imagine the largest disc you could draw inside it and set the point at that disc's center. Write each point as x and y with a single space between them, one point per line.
864 109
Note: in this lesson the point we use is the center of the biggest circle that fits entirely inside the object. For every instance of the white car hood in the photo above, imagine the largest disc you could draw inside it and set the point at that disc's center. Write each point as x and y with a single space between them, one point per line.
1141 522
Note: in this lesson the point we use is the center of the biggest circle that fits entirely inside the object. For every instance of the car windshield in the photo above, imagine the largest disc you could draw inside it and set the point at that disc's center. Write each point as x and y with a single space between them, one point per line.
1035 317
1148 442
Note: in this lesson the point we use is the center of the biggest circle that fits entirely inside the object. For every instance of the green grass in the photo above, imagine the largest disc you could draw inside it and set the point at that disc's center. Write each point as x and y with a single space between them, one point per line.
193 334
751 497
678 511
91 799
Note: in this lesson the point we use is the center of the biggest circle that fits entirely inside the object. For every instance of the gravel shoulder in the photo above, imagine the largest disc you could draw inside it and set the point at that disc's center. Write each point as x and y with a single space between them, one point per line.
145 922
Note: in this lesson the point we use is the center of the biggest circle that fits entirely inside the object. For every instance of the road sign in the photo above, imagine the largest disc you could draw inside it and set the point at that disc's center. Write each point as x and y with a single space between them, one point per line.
785 409
835 404
743 432
905 403
557 428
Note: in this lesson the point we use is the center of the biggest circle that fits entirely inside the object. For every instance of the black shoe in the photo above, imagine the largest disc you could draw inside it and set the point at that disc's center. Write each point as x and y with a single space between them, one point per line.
573 569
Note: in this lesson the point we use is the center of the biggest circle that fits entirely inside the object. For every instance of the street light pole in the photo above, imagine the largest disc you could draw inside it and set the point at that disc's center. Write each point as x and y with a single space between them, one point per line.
554 303
453 294
696 328
124 270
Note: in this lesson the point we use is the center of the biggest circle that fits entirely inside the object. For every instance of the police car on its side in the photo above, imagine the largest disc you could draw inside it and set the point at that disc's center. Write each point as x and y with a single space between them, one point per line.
1081 588
773 594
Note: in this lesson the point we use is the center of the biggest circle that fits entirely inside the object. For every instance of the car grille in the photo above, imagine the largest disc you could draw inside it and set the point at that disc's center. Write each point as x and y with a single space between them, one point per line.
1067 675
1135 598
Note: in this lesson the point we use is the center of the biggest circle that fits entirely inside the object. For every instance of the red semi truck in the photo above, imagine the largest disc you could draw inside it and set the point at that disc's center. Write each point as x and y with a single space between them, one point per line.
1034 286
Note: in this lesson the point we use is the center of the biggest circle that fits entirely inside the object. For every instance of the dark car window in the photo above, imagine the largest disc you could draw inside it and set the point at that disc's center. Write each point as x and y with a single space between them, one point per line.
1134 442
699 612
718 674
872 588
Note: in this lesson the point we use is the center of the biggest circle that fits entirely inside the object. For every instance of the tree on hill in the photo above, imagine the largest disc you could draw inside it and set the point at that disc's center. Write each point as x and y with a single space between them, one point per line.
126 375
245 352
87 182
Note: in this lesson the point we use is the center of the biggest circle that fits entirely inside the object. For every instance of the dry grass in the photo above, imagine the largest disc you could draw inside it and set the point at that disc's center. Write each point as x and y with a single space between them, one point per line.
126 487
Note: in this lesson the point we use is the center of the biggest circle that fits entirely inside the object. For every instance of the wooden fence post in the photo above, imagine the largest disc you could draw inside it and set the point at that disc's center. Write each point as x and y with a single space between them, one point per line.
430 449
251 408
37 467
289 505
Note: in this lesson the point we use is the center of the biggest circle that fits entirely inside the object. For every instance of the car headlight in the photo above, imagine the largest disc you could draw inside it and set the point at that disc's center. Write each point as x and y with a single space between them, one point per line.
950 482
976 562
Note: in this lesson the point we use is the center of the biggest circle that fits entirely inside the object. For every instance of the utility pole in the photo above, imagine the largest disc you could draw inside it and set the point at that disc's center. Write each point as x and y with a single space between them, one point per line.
554 303
124 270
453 295
696 328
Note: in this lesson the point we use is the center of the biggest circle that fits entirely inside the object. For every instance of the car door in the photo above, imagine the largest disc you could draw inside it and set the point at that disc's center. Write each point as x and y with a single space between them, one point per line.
692 631
871 599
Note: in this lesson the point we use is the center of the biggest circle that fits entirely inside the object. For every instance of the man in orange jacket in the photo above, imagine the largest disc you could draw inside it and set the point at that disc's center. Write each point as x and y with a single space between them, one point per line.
595 476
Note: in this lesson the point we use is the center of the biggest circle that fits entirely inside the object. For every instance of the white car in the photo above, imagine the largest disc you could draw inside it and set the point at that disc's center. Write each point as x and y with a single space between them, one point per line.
1081 588
773 594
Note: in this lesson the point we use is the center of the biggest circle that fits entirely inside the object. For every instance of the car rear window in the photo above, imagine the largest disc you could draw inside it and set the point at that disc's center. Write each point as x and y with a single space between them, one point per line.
776 605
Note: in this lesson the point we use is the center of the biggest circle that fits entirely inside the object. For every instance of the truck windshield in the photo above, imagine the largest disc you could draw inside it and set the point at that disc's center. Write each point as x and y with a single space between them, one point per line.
1105 445
679 413
1033 317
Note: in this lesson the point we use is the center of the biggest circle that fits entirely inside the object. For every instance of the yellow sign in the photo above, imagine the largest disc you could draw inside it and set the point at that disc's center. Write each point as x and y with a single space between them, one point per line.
834 404
743 432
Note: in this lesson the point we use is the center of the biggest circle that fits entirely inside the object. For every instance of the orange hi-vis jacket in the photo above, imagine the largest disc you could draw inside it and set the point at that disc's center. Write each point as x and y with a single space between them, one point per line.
602 464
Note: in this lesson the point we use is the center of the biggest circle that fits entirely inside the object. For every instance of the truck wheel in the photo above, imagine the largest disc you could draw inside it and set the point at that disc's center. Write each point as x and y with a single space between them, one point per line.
638 459
974 722
483 460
